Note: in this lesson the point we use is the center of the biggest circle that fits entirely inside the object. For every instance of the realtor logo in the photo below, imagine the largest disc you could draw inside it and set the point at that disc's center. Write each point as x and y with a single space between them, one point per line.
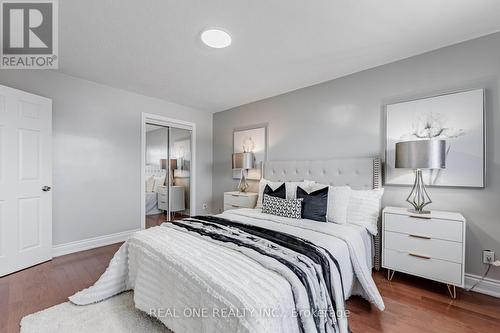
29 34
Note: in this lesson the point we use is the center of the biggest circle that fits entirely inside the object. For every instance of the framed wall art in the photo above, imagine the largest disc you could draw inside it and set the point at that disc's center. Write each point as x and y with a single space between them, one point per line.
251 139
457 118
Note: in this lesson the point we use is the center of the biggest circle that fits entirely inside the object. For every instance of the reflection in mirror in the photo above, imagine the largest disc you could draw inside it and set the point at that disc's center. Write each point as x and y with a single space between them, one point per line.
180 148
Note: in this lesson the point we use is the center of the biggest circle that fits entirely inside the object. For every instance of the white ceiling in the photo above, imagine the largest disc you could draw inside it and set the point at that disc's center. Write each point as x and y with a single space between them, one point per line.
152 47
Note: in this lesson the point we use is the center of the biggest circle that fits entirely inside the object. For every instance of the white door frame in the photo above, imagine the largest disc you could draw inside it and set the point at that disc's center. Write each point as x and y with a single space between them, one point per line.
150 118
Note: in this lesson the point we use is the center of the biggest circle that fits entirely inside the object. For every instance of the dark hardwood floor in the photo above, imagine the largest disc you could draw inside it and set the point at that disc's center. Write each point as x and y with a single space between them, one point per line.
157 219
412 304
42 286
154 220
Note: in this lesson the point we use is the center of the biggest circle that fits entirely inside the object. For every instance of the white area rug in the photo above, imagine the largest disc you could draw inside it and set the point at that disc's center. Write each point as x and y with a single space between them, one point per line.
116 314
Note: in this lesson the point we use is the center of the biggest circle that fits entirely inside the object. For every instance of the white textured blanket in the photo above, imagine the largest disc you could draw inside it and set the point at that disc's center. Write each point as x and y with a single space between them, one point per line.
335 238
196 285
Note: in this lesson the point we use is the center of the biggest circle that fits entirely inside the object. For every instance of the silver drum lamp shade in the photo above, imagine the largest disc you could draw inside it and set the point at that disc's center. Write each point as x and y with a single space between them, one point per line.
418 155
243 161
164 164
422 154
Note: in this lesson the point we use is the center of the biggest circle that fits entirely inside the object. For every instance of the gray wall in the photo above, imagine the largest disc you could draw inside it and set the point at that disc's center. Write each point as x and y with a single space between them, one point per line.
97 152
344 117
156 145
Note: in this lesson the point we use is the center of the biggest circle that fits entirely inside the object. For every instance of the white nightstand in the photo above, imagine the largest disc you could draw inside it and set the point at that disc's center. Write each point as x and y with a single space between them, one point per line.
177 203
162 197
430 245
233 200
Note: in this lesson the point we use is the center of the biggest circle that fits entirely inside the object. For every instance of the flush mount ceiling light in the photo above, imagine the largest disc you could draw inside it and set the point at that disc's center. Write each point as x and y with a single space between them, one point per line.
216 38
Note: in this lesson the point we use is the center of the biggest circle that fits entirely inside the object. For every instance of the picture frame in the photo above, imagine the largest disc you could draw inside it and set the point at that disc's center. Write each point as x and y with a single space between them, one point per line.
257 134
458 118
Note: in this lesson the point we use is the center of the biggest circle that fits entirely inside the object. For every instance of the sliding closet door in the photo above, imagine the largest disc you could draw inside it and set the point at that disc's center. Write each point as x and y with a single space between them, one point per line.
180 152
25 180
157 169
176 159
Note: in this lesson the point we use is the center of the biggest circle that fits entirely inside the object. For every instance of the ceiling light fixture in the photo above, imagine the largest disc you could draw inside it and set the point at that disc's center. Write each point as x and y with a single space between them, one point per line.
216 38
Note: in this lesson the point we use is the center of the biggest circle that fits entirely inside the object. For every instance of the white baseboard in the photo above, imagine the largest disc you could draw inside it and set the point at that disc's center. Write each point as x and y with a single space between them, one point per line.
487 286
90 243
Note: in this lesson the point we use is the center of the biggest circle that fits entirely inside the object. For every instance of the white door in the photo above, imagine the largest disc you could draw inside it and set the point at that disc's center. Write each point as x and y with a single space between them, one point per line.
25 180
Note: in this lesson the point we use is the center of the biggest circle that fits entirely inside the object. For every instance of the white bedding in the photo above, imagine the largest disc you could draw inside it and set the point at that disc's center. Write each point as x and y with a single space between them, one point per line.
367 240
337 245
152 203
170 269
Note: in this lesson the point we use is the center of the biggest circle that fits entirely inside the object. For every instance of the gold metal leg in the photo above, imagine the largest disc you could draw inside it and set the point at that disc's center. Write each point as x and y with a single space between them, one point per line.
390 274
452 290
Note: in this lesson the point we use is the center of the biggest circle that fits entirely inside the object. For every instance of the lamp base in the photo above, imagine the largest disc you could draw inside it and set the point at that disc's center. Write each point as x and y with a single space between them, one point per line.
243 185
242 188
414 211
418 197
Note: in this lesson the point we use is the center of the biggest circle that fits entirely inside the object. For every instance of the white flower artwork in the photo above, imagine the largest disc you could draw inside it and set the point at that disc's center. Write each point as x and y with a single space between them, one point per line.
457 118
251 140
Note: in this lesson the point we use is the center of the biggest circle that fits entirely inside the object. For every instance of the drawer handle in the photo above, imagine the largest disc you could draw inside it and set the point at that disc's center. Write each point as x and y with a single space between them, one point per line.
418 236
236 206
419 256
423 217
234 195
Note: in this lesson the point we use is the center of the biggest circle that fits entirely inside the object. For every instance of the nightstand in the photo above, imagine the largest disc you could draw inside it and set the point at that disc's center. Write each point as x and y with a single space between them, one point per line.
431 245
233 200
162 197
177 202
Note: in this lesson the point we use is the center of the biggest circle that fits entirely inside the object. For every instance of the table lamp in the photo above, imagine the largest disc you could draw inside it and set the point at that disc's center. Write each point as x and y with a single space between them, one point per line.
418 155
243 161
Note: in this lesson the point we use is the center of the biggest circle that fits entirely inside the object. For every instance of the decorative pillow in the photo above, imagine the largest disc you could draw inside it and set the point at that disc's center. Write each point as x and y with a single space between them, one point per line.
338 202
150 183
159 181
291 188
315 203
364 208
282 207
279 192
262 185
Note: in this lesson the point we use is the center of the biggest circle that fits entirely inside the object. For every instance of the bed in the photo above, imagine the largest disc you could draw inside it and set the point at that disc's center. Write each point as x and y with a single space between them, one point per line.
246 271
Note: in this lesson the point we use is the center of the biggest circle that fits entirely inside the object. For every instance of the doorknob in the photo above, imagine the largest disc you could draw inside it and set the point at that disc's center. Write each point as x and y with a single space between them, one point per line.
46 188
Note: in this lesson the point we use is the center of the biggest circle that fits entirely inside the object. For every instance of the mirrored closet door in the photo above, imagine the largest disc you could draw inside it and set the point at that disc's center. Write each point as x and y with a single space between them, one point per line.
167 173
180 152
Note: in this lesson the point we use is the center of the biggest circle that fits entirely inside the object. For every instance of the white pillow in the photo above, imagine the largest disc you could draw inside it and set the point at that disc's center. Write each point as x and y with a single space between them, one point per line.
150 183
364 208
262 185
291 188
159 181
317 186
338 203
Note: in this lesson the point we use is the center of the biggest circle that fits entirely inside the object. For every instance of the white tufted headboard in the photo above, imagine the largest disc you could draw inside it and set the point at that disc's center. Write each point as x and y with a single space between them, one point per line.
358 173
154 170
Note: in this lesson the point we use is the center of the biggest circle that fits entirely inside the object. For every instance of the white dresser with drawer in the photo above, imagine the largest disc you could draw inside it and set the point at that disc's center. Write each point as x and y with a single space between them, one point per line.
426 245
177 201
234 200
